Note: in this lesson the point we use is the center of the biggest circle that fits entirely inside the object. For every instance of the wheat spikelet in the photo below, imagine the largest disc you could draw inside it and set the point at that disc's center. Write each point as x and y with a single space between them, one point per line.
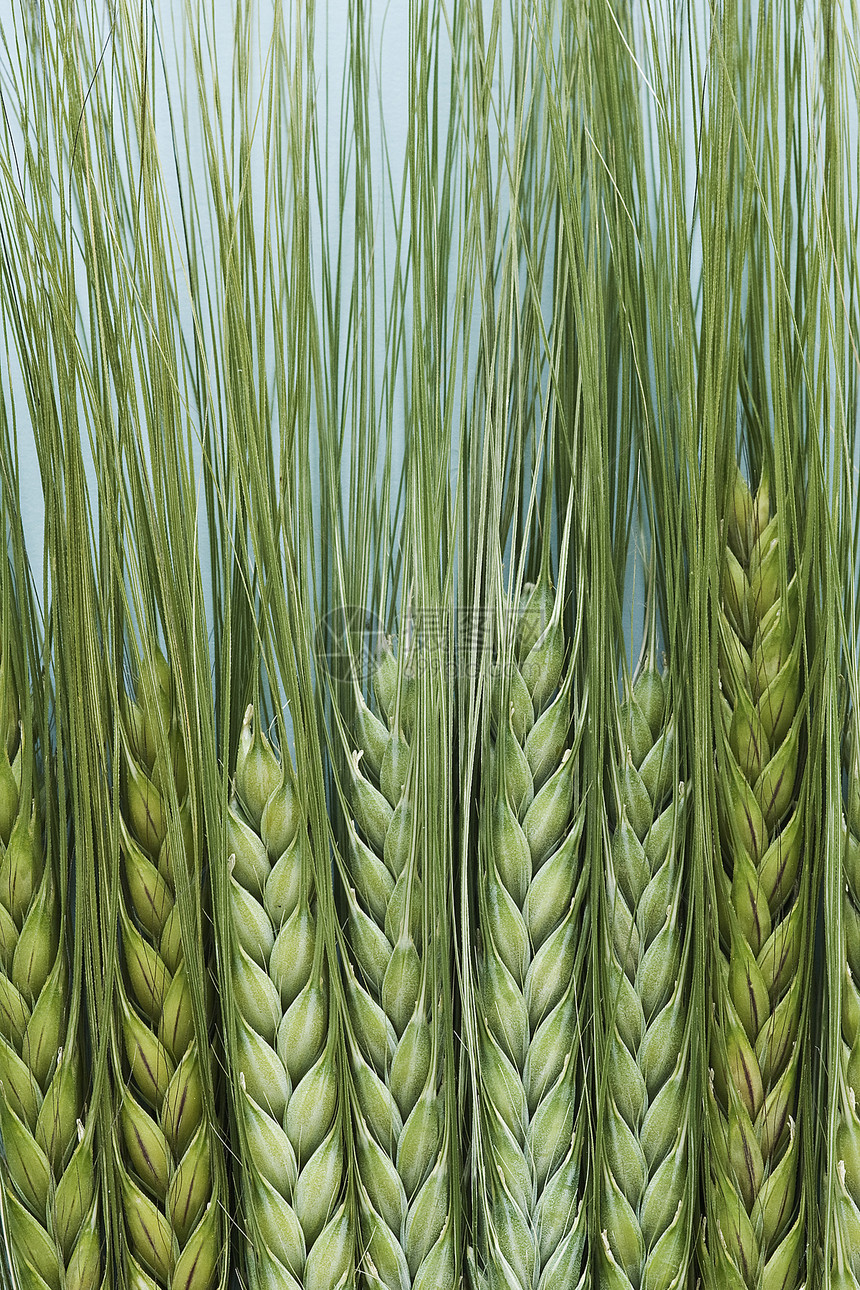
286 1092
646 1198
49 1170
531 1221
756 1237
845 1259
165 1143
402 1131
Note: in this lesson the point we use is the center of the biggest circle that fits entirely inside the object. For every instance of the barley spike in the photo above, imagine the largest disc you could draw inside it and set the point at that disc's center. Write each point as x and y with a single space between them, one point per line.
49 1177
532 915
402 1132
165 1143
285 1088
845 1253
756 1236
645 1176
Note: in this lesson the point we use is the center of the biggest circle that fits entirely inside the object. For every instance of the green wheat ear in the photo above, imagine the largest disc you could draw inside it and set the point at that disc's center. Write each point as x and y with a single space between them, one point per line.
646 1195
845 1258
169 1199
285 1087
49 1172
531 1223
402 1128
756 1234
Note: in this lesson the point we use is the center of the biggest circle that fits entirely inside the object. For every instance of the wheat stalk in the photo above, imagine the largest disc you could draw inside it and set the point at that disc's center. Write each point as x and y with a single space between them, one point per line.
531 1220
165 1142
756 1220
286 1093
645 1175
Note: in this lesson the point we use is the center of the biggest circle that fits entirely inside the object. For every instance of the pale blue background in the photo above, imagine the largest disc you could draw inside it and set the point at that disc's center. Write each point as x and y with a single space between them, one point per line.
389 44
